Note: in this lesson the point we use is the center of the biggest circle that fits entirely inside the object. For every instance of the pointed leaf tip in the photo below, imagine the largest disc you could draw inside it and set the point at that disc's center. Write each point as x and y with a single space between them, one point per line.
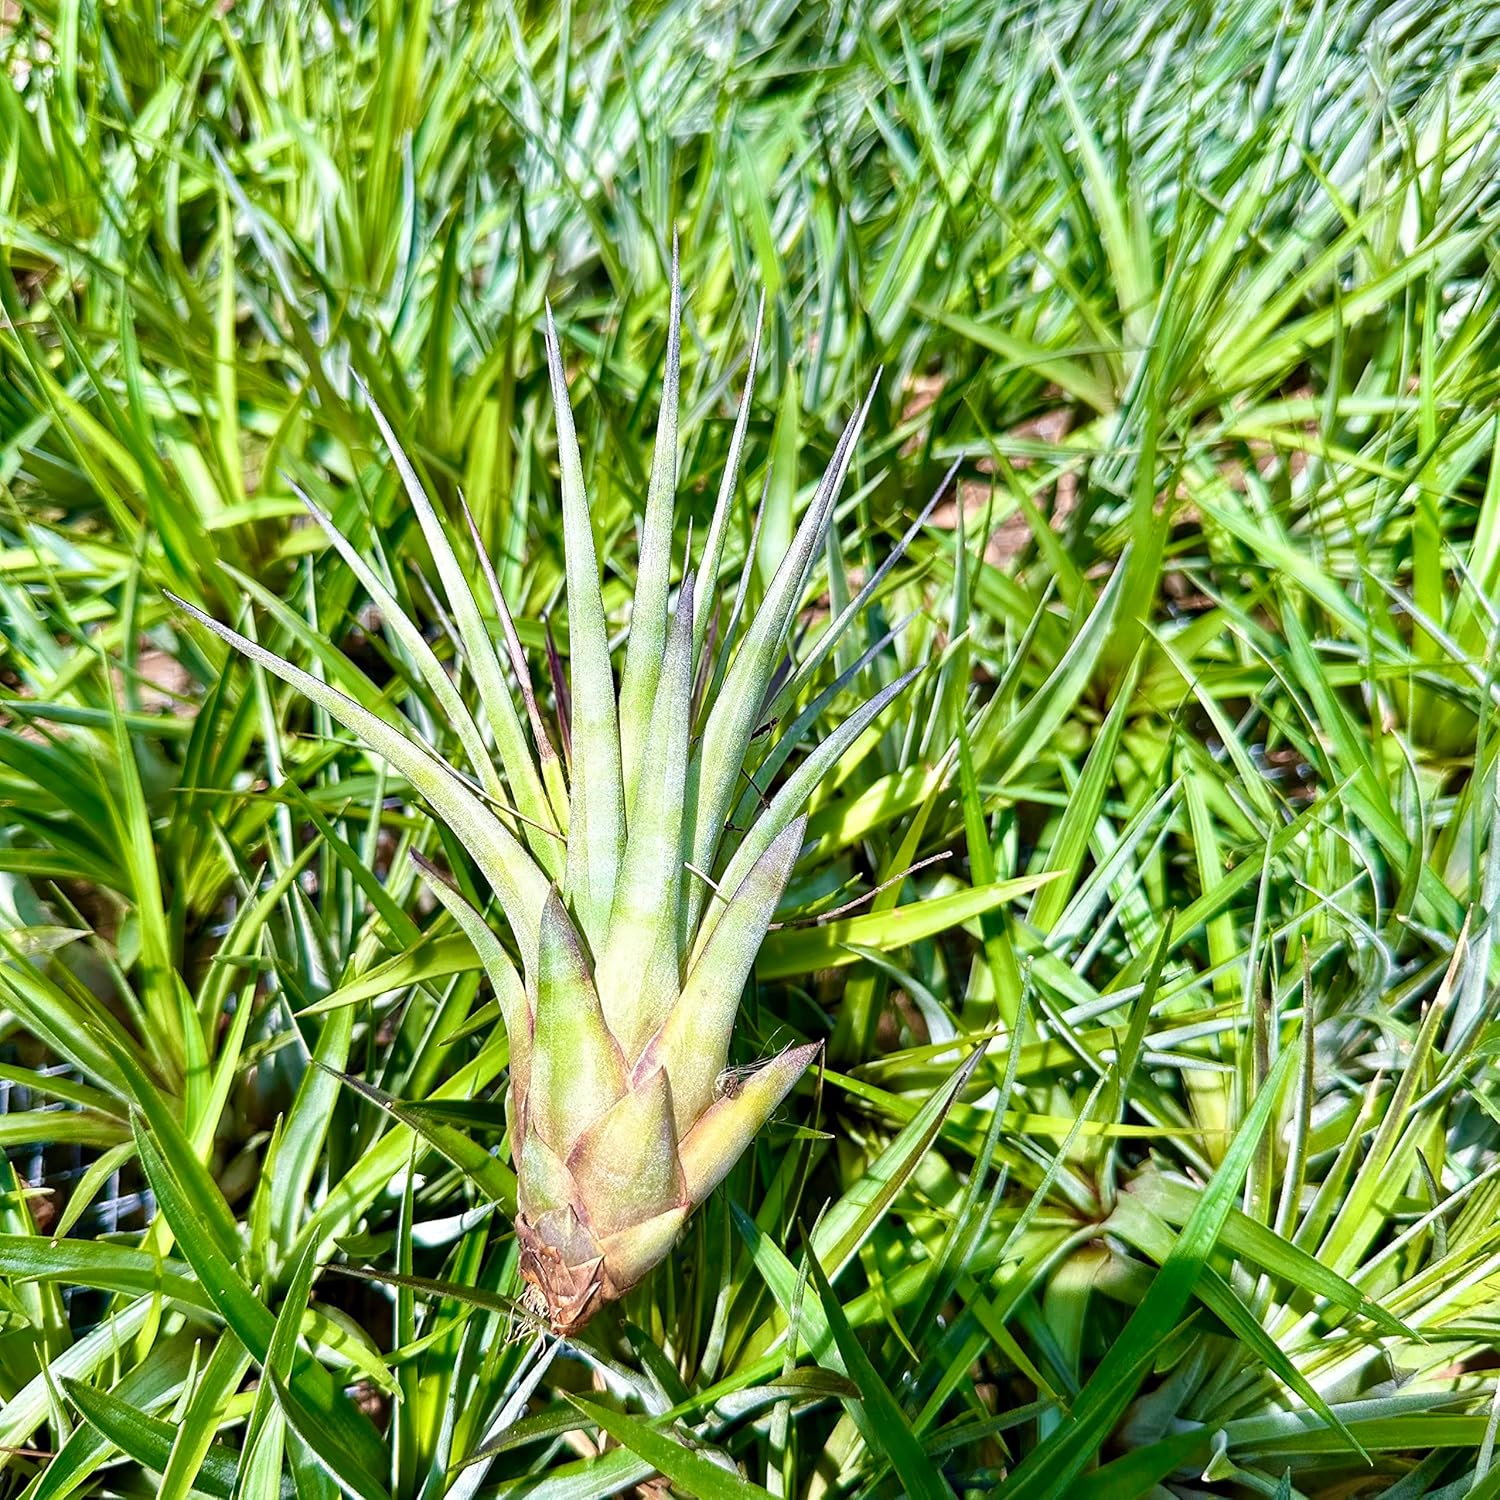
576 1069
693 1042
514 878
720 1137
625 1163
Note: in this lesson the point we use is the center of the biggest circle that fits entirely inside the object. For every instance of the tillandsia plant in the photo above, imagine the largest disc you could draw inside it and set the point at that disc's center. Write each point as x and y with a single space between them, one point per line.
636 871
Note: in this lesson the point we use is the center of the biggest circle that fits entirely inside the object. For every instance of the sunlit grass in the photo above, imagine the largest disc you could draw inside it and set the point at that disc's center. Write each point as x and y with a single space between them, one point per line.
1180 846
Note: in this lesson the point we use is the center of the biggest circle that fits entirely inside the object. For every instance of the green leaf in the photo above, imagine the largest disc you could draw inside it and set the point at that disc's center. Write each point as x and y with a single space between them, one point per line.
596 820
480 655
336 1461
884 1424
492 1176
577 1071
249 1319
192 1443
516 881
685 1468
1056 1461
139 1390
714 777
646 647
804 950
148 1440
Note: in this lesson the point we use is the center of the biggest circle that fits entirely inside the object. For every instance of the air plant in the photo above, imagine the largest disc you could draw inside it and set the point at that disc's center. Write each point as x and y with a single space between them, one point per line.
636 873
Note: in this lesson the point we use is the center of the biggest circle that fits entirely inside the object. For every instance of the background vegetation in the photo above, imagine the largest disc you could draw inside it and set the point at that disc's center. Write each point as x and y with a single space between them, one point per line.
1201 301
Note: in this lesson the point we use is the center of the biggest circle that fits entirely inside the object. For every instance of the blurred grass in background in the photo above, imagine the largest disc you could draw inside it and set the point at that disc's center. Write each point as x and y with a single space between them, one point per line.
1202 302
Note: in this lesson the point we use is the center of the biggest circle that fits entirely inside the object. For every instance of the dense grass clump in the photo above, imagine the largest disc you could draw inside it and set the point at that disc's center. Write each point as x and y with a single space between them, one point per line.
1154 1142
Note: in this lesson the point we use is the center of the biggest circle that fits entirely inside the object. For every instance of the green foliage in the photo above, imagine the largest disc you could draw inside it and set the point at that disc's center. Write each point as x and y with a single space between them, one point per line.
1155 1148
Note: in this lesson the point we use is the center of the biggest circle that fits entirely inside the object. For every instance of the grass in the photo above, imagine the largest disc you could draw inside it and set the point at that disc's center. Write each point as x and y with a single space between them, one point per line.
1156 1148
